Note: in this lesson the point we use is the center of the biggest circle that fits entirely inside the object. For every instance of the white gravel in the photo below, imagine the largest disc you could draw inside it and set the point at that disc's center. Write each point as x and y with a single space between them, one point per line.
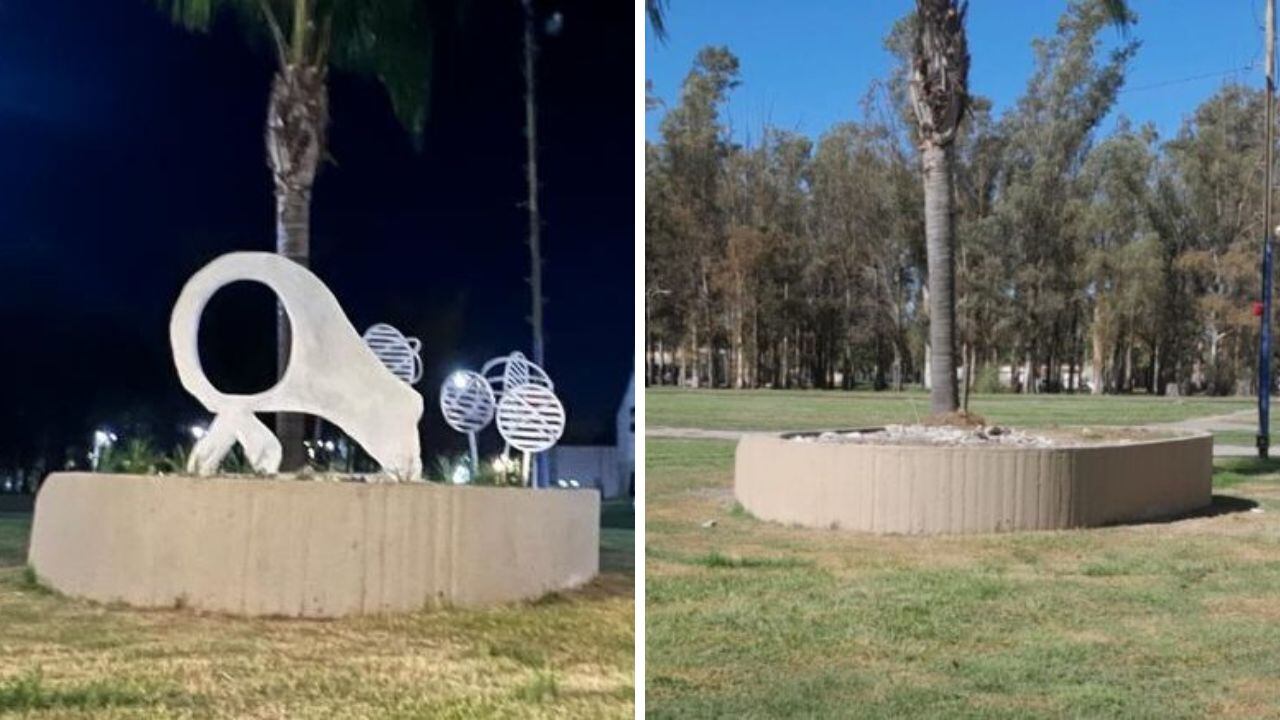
939 435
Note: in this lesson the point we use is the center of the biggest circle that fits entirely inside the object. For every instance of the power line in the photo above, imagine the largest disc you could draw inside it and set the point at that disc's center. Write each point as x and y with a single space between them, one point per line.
1192 78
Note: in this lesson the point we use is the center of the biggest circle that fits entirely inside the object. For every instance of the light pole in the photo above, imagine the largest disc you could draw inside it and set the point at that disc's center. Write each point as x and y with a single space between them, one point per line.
1264 345
531 177
102 440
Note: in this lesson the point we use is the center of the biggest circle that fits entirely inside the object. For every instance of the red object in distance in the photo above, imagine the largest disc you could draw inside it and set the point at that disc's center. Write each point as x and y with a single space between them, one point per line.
1257 309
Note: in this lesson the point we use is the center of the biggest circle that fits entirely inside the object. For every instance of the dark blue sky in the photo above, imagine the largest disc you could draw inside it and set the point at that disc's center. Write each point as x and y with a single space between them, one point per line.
133 153
806 65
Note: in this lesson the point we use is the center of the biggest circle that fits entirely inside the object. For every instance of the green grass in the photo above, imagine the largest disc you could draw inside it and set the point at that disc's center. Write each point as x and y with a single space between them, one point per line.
748 619
567 655
810 409
618 514
1240 437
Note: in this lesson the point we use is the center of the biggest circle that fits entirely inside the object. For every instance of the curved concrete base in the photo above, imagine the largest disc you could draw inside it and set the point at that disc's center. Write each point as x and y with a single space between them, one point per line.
296 548
922 490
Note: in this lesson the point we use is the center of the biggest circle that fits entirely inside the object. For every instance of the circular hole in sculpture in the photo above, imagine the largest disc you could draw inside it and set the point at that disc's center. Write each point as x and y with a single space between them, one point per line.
237 338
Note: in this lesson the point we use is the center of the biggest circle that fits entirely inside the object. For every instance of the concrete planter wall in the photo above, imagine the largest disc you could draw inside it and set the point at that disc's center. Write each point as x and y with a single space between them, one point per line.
308 549
932 490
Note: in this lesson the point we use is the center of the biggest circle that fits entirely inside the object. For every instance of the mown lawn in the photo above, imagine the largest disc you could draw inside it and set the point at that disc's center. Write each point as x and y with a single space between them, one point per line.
812 409
748 619
568 655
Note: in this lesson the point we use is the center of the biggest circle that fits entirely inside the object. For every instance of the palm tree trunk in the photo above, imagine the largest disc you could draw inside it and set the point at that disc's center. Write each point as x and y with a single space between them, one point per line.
296 118
940 248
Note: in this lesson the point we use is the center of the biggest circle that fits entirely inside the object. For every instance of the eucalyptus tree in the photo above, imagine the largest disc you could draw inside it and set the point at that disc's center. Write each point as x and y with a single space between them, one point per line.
1123 273
1048 136
1219 209
695 145
391 40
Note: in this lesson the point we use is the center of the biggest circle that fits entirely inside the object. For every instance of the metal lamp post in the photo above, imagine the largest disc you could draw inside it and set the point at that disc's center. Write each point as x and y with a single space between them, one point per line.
1264 345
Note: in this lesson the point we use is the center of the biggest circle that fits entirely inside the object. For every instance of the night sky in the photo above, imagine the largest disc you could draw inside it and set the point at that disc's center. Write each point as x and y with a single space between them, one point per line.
131 153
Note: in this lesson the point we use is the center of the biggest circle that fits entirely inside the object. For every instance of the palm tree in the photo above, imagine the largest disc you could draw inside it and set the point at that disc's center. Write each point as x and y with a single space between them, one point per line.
657 12
389 39
940 96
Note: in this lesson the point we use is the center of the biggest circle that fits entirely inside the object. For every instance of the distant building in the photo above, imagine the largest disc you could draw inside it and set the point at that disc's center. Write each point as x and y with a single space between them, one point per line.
610 468
626 438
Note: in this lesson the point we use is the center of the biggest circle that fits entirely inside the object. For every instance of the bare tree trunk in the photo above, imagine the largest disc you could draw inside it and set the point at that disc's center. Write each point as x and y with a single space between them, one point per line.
296 118
1128 368
940 248
696 380
739 355
1156 389
925 377
682 362
971 357
1099 351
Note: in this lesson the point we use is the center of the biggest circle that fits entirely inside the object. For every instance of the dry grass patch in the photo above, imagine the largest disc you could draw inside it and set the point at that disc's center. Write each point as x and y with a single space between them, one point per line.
753 619
569 655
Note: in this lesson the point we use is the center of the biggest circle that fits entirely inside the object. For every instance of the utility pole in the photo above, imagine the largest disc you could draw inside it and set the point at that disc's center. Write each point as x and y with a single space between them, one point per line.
541 471
531 176
1264 346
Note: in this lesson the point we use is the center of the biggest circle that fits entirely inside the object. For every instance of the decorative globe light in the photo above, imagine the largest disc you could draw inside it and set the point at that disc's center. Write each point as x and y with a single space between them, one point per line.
531 419
467 403
401 355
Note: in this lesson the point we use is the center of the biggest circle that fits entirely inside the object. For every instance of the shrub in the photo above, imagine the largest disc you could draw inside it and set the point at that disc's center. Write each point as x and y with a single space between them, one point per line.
987 380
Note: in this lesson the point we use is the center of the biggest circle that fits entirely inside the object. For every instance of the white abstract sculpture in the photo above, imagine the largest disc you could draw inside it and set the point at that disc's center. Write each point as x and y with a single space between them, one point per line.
467 403
401 355
331 373
531 419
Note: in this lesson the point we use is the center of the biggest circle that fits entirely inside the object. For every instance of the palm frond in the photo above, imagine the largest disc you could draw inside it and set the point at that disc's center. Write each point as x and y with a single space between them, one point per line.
395 41
260 18
657 12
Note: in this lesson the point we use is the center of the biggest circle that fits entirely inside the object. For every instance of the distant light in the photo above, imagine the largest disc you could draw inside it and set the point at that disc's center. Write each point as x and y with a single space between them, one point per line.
554 24
459 379
562 483
328 445
461 474
198 431
102 439
503 464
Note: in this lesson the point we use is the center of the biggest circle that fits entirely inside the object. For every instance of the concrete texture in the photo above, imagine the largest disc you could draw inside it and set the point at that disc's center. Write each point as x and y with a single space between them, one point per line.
332 373
933 490
300 548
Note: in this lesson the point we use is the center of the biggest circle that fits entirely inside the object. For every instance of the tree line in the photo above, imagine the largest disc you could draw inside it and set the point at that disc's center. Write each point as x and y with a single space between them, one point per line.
1085 262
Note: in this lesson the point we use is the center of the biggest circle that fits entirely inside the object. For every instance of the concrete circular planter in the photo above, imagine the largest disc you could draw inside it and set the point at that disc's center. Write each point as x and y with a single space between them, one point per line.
251 546
921 490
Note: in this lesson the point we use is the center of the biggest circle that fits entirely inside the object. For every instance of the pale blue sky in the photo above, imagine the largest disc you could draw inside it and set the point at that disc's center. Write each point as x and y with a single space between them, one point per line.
806 64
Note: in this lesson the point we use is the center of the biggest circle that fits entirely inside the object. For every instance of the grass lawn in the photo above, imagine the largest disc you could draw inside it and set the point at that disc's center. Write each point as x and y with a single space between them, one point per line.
812 409
1241 437
568 655
748 619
